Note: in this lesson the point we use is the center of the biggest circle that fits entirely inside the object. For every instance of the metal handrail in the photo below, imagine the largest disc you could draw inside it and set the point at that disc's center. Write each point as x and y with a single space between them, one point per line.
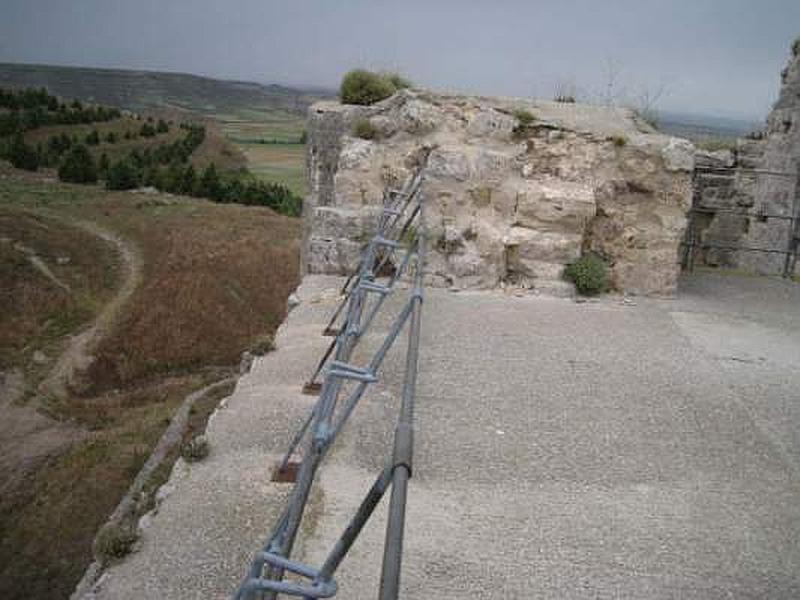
327 418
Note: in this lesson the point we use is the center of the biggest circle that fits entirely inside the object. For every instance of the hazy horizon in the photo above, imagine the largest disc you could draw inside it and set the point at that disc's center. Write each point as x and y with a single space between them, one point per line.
708 57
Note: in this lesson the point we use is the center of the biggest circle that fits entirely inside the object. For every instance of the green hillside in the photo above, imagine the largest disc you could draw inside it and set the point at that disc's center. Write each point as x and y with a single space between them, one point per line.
141 90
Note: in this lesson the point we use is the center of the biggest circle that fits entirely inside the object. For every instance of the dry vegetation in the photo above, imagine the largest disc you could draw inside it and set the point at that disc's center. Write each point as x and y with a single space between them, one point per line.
216 278
36 310
214 282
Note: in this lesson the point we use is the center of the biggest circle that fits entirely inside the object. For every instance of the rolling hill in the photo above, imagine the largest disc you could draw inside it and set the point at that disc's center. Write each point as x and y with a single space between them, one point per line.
142 90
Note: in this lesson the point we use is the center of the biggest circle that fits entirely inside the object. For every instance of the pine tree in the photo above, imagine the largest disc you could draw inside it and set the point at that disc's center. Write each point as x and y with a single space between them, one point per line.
210 185
93 138
78 166
103 164
123 175
21 155
189 183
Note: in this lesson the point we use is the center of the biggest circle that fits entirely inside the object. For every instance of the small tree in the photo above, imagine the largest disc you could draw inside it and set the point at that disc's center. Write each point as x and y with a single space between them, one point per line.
189 182
123 175
111 137
162 126
93 138
103 164
78 166
147 130
21 155
210 184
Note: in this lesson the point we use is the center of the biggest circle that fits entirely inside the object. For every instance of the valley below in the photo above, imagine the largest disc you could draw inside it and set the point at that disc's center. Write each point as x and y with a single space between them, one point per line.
116 305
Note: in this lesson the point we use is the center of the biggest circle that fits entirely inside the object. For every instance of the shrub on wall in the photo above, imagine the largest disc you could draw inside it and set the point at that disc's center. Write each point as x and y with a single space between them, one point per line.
365 130
589 274
365 87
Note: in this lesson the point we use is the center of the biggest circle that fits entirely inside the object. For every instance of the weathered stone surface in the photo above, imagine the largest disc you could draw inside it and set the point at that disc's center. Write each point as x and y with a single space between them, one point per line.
759 176
781 154
505 203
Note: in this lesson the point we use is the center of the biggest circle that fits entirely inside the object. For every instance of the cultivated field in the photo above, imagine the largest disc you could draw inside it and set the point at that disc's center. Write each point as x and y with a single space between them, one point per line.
271 143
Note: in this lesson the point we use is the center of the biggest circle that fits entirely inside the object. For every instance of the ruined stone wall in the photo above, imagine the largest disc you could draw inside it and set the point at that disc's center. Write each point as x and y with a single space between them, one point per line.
724 200
781 154
759 176
506 203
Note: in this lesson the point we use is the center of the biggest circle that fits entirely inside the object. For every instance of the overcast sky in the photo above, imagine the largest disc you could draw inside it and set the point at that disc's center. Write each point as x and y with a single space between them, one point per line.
710 56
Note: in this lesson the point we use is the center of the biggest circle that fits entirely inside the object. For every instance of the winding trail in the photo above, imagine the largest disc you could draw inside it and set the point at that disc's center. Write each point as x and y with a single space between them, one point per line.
27 436
77 355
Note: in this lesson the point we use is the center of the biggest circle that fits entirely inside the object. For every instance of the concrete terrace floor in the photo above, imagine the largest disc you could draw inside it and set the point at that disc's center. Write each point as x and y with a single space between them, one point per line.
563 450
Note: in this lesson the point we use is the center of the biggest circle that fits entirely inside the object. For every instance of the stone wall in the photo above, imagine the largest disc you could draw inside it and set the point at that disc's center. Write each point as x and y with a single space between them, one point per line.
507 204
724 197
759 176
777 194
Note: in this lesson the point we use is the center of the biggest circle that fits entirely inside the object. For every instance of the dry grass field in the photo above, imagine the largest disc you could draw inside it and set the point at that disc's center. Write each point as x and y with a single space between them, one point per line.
214 281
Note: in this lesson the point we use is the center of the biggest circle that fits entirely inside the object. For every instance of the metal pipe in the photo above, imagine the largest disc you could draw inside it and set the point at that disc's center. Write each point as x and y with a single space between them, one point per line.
736 248
357 523
403 442
755 215
743 170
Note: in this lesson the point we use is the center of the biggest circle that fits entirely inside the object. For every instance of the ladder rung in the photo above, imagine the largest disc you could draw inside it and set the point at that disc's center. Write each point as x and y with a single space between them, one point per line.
369 286
348 371
382 241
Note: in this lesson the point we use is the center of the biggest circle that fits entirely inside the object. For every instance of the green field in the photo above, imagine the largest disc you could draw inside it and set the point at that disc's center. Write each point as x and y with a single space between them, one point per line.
269 139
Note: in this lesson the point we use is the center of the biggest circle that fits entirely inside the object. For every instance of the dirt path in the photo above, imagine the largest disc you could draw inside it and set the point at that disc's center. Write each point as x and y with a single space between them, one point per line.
27 437
77 356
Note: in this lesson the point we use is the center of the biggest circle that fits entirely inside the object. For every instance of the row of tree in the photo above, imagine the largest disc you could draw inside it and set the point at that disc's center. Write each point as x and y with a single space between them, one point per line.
24 156
165 167
32 108
238 187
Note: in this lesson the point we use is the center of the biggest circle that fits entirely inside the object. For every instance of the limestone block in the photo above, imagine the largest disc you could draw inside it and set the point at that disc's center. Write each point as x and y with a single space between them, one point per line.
544 246
490 123
555 205
419 117
357 154
333 256
450 162
678 155
333 222
385 126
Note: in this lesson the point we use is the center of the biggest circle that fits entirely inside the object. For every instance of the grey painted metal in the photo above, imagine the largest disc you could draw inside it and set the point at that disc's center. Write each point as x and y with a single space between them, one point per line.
364 298
403 445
